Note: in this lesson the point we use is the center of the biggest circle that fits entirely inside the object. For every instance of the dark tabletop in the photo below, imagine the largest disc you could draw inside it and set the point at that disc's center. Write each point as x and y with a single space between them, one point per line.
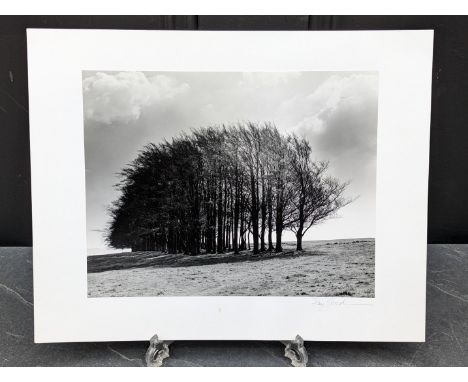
446 344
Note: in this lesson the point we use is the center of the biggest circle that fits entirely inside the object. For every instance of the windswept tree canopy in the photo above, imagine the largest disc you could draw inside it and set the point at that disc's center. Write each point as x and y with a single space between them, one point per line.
214 189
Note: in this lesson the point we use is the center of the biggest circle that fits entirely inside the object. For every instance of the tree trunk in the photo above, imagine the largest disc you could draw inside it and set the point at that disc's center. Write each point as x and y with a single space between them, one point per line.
270 220
299 241
253 186
264 217
213 220
279 220
206 231
242 224
220 218
300 228
235 237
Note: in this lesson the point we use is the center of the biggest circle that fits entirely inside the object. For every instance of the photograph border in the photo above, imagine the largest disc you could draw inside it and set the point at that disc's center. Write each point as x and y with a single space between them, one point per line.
62 311
285 101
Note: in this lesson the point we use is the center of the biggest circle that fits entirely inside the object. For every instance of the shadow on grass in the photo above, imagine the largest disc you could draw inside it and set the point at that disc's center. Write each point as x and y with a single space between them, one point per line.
127 260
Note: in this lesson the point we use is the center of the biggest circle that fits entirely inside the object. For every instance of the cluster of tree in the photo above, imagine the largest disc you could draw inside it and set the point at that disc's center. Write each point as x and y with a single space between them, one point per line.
222 188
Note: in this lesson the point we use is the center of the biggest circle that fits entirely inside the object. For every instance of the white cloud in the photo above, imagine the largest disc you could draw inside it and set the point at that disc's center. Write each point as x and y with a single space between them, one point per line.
335 93
341 114
122 97
313 123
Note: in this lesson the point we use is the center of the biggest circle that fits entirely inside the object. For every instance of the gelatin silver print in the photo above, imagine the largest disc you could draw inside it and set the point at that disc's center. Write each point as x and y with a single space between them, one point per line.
230 183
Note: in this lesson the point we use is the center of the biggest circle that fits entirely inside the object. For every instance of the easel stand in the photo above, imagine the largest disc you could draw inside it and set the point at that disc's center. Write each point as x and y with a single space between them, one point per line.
296 352
159 350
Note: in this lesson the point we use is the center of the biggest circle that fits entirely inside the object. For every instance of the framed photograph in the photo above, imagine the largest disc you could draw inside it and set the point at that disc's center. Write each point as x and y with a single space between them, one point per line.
229 185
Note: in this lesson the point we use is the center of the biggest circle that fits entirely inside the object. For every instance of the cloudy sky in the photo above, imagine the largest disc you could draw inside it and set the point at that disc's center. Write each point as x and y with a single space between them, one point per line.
335 111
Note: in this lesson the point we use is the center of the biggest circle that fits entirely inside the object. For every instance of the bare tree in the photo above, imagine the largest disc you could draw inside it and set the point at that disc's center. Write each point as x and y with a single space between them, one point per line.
316 197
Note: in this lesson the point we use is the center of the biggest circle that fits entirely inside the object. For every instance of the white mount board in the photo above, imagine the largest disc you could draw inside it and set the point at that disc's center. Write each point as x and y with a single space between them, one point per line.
62 310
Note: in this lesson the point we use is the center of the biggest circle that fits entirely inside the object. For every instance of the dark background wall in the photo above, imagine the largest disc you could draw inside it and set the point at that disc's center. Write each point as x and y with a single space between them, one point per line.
448 182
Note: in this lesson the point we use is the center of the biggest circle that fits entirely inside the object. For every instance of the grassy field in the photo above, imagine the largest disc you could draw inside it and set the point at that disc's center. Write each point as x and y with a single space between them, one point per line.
323 269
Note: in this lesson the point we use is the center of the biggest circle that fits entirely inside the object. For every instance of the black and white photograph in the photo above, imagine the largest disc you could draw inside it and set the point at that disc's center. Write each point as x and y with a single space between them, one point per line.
262 184
230 183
